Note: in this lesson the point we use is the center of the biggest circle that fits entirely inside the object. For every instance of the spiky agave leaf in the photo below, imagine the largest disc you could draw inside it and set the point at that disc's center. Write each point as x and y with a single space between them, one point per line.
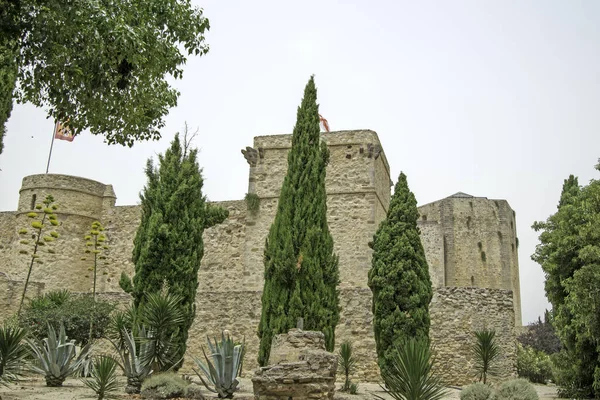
132 354
56 356
410 376
12 353
222 371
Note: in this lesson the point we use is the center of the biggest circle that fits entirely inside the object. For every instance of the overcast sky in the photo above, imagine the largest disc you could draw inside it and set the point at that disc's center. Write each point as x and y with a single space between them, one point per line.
499 99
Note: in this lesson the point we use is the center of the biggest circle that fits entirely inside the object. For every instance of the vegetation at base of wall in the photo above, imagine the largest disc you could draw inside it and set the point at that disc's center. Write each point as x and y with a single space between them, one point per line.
569 254
399 277
353 389
346 363
221 371
168 245
477 391
165 385
13 353
534 365
103 379
301 270
78 314
252 202
516 389
40 237
56 357
409 375
485 352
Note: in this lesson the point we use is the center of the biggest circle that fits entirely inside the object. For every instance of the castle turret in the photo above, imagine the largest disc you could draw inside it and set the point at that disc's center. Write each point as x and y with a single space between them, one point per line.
472 242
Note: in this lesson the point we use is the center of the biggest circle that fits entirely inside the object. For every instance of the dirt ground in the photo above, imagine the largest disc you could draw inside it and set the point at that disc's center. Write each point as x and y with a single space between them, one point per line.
74 389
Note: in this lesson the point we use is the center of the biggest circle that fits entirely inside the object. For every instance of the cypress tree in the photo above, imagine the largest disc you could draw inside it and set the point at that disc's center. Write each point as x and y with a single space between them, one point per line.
301 270
168 244
399 277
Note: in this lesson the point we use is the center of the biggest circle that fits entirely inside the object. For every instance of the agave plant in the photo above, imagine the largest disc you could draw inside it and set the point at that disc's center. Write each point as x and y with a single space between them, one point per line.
411 374
346 362
104 379
56 357
486 352
132 355
224 370
12 353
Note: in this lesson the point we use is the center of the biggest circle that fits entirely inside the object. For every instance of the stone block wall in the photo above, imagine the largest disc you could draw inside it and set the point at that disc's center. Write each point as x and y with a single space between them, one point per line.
458 311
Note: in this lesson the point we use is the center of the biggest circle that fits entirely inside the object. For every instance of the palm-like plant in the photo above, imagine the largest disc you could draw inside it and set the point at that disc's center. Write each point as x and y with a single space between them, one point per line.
346 362
410 376
12 353
162 315
56 357
486 352
104 379
132 355
224 369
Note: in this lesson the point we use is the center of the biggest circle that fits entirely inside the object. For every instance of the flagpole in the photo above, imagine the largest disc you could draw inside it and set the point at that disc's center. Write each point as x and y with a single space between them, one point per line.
51 145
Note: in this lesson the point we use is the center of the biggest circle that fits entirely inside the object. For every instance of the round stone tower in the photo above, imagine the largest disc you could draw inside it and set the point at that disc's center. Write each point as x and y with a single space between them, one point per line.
80 202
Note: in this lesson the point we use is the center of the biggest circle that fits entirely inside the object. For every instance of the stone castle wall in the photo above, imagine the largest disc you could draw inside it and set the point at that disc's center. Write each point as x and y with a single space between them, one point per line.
231 272
458 311
479 243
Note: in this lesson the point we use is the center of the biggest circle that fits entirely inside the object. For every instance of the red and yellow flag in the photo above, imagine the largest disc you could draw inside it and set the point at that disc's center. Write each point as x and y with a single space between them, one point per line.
63 132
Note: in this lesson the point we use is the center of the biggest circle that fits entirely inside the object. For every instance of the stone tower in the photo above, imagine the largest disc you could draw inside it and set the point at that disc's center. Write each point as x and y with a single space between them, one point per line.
472 242
80 201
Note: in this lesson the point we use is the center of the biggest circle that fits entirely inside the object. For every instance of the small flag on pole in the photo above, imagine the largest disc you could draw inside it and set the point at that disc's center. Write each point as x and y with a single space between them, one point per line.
324 122
63 132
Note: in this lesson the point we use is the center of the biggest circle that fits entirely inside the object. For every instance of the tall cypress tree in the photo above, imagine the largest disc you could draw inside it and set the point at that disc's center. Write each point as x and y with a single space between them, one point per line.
301 270
399 276
168 244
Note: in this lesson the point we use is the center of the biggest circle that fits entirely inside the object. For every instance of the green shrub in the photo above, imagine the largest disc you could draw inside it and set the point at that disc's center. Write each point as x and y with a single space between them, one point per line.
252 202
477 391
74 312
410 375
566 372
516 389
346 362
486 352
533 364
104 378
353 389
164 386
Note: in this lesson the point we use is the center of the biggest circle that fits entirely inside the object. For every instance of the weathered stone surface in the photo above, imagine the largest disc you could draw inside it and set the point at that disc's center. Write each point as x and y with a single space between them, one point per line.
299 367
458 311
231 273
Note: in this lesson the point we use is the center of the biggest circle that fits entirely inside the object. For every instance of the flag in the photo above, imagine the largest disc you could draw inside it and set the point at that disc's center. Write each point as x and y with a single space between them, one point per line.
325 123
63 132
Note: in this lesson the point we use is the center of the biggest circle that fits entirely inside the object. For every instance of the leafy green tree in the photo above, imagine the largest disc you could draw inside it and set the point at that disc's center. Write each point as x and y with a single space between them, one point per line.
301 270
569 253
399 277
168 244
39 237
98 65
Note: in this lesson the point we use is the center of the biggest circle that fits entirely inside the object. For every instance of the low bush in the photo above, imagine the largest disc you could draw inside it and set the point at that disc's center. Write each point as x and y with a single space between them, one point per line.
353 389
533 364
516 389
477 391
164 386
74 312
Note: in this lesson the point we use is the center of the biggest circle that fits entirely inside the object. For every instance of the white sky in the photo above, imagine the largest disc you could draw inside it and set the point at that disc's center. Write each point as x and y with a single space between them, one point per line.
493 98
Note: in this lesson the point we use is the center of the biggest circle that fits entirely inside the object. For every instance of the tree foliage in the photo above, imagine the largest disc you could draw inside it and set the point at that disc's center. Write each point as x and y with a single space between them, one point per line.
569 253
399 277
168 244
541 336
301 270
98 65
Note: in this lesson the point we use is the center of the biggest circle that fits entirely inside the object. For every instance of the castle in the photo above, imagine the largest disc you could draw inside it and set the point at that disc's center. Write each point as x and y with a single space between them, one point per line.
470 245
